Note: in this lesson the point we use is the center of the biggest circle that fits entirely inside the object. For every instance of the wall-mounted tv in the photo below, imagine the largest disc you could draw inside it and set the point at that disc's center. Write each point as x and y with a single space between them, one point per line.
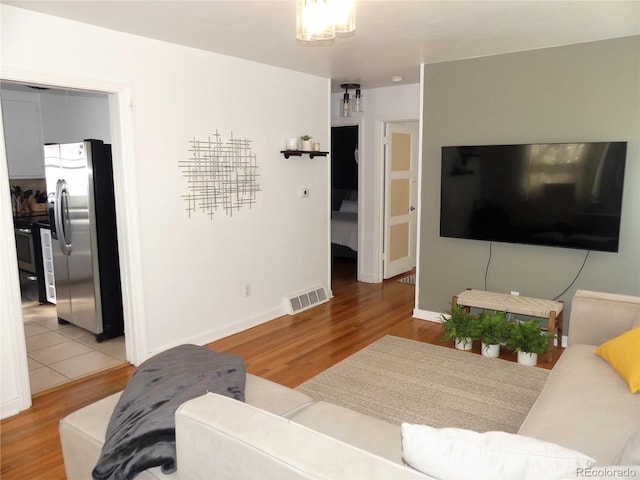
554 194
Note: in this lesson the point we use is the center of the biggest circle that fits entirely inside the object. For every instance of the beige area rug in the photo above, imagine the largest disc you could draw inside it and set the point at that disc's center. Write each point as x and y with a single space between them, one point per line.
400 380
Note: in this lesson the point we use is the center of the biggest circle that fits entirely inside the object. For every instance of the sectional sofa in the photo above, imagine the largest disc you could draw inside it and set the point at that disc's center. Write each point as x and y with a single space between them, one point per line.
585 417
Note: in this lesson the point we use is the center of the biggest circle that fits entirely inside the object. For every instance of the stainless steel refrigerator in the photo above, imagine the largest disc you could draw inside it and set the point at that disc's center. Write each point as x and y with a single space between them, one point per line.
82 217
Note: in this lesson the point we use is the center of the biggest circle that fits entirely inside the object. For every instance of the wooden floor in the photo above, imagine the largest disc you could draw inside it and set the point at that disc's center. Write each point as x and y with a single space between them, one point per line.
288 350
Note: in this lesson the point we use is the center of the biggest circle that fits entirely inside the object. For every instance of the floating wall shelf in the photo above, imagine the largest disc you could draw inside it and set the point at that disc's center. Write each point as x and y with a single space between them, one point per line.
299 153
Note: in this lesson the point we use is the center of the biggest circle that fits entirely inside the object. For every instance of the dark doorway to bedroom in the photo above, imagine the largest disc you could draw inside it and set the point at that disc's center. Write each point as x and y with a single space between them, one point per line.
344 201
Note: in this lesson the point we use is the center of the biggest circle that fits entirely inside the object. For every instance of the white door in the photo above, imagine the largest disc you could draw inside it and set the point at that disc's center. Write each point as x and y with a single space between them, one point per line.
400 198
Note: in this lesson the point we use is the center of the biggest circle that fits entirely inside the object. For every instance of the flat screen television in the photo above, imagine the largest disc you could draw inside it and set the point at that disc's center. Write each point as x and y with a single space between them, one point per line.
554 194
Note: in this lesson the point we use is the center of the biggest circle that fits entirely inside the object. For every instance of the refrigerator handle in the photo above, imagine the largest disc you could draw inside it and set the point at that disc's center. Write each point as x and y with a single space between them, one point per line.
61 210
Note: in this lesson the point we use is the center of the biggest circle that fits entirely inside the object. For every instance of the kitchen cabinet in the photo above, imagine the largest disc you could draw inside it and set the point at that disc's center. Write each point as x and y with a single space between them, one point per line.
22 121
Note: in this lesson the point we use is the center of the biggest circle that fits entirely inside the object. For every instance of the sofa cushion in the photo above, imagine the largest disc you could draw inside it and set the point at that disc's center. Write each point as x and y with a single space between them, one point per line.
455 453
597 316
82 436
354 428
585 406
82 433
218 438
273 397
623 354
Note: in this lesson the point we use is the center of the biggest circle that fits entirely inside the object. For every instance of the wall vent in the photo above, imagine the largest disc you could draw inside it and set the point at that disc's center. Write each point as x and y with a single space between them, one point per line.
306 300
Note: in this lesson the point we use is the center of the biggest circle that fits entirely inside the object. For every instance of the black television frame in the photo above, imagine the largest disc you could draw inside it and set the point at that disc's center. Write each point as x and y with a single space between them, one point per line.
596 227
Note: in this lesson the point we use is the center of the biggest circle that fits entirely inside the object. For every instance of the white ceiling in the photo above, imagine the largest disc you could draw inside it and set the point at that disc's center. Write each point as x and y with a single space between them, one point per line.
392 37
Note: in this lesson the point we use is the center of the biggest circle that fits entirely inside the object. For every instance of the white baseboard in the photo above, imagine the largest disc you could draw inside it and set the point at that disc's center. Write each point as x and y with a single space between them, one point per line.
427 315
13 407
367 278
225 331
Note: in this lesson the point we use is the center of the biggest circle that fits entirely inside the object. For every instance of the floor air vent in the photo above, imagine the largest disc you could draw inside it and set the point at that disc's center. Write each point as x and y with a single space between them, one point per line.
306 300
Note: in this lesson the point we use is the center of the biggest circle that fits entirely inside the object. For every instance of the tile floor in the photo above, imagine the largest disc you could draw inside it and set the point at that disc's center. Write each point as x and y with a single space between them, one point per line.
60 353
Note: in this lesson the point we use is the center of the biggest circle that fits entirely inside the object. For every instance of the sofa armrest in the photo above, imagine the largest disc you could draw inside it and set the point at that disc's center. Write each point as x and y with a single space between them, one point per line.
596 316
218 437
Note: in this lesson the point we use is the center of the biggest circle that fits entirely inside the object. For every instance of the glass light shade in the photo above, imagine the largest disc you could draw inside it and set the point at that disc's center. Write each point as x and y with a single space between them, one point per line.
357 101
344 16
314 20
345 108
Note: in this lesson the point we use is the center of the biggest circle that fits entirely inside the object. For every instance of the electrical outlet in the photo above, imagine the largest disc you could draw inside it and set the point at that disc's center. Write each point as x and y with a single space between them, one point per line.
515 293
247 290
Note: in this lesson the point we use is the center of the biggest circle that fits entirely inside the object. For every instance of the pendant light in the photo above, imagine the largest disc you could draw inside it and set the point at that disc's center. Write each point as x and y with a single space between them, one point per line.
320 21
346 105
313 21
344 16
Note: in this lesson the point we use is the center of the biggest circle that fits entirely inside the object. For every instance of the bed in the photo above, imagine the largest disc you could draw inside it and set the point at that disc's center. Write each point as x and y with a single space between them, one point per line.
344 223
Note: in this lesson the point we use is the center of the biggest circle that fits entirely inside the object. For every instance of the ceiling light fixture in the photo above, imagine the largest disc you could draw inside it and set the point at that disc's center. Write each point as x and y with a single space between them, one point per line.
346 105
318 22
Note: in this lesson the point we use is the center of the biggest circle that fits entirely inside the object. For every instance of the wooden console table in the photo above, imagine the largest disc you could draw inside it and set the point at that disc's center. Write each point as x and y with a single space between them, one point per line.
503 302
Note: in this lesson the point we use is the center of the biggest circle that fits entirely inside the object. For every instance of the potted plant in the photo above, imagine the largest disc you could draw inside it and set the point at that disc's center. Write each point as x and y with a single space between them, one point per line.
526 338
306 143
457 325
492 329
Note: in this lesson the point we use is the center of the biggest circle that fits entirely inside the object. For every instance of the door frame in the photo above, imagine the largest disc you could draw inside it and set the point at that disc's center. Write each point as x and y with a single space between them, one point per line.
381 124
123 152
413 180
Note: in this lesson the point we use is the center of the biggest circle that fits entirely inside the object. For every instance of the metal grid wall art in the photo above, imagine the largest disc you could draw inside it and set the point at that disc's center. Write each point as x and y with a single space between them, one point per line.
220 175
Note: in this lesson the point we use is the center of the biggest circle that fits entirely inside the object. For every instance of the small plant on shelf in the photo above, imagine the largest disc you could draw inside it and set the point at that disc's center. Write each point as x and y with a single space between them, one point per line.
457 325
306 143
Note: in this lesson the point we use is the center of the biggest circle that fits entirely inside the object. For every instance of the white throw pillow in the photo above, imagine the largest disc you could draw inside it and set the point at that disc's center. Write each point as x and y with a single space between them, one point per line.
349 206
454 453
630 454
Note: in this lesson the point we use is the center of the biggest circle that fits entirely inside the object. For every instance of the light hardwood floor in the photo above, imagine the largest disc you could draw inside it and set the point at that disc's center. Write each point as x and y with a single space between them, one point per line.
288 350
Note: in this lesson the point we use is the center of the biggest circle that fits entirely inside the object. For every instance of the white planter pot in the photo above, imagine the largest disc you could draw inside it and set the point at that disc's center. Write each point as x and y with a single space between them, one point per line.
464 343
528 359
305 145
492 351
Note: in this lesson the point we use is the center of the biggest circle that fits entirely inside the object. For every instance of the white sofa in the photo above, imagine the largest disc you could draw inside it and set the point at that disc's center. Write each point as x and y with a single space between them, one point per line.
281 433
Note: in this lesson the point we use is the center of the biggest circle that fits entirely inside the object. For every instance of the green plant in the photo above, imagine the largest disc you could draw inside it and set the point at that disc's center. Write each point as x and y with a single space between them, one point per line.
306 137
457 324
491 328
527 337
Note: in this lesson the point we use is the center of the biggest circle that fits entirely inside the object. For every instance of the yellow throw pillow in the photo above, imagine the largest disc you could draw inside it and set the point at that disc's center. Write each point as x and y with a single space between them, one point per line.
623 354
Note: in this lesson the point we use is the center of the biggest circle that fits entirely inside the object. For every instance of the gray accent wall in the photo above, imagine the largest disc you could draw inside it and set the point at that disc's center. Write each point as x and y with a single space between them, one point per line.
584 92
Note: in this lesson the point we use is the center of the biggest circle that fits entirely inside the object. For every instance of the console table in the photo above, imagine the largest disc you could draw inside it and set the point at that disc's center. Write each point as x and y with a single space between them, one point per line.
503 302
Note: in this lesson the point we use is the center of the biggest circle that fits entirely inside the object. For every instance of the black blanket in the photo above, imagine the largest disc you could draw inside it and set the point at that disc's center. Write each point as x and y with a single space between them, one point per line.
141 432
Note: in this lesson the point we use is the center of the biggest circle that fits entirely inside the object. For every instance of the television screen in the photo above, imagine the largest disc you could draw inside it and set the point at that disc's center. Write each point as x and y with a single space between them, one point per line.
555 194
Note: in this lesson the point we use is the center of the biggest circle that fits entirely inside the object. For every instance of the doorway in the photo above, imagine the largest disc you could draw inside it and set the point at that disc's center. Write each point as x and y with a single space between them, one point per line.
344 203
400 198
56 353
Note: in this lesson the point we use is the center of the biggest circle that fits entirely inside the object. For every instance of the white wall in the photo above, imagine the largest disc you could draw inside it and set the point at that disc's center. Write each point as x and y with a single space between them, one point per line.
576 93
380 105
69 117
192 270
